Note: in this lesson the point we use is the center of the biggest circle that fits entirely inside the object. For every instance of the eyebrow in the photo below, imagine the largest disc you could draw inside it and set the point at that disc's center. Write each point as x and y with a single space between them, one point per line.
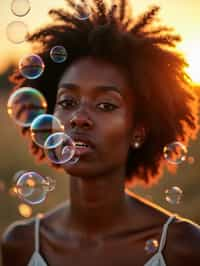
72 86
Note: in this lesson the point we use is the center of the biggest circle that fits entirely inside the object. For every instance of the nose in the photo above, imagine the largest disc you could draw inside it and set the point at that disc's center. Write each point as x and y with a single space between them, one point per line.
81 120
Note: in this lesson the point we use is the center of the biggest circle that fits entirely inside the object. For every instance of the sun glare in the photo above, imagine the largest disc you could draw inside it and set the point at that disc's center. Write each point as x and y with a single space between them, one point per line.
193 56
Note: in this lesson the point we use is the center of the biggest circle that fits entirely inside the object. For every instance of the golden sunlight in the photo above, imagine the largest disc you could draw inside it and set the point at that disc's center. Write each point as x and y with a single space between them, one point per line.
192 52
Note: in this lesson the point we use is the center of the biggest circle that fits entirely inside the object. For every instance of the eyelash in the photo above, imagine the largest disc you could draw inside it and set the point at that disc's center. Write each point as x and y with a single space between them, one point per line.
65 105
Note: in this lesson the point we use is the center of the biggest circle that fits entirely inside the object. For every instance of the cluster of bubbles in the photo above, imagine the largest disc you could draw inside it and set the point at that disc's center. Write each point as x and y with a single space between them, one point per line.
17 31
27 107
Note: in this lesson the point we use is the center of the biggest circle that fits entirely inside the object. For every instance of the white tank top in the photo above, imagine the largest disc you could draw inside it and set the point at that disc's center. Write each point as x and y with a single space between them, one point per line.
156 260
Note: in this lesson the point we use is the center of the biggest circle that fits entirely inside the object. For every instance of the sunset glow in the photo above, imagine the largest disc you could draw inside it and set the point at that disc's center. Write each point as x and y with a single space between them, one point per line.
193 57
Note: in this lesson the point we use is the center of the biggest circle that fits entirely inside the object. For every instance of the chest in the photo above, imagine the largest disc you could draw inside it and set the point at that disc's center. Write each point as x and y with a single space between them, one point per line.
120 252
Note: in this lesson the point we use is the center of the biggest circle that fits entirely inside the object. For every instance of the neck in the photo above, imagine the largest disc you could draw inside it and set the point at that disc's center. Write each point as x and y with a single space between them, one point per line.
97 204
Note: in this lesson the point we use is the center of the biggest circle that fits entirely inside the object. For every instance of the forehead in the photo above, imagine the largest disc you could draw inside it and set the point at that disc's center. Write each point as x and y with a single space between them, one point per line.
90 73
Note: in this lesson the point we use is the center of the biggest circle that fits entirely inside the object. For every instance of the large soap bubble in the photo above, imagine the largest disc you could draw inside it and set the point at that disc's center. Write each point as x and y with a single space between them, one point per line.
17 32
25 104
31 66
43 126
20 8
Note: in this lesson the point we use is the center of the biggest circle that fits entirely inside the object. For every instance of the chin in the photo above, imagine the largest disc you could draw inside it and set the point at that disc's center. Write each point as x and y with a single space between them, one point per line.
80 171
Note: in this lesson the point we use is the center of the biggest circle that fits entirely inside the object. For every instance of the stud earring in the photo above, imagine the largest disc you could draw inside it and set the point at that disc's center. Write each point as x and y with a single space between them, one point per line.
136 144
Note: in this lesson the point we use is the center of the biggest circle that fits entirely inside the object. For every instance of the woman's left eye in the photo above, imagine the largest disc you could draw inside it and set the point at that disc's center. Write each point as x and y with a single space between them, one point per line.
107 106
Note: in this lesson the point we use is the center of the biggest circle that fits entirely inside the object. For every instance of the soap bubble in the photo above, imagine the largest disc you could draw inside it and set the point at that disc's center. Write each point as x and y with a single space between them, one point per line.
31 66
191 160
17 32
83 10
151 246
44 126
33 188
25 210
58 54
173 195
175 153
25 104
20 8
60 148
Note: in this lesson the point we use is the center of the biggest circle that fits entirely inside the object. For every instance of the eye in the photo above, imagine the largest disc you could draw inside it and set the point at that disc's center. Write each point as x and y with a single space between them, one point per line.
67 103
107 107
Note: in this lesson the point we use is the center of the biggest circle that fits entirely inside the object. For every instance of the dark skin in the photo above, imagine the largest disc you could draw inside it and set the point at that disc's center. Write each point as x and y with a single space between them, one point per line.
102 225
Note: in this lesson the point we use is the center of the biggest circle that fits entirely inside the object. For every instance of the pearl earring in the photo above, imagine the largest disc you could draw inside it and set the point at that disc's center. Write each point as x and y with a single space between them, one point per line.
136 144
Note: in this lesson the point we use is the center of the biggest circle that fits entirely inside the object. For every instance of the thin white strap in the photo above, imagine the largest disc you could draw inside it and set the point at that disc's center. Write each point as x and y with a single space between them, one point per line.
164 233
37 227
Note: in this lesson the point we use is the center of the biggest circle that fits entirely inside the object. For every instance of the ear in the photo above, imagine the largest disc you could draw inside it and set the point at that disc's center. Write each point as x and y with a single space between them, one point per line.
138 137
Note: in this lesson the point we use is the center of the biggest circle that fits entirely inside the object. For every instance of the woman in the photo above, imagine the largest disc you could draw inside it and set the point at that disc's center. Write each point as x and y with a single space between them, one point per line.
122 95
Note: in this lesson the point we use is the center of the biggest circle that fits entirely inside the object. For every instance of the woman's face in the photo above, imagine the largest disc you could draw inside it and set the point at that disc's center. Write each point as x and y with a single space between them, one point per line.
96 106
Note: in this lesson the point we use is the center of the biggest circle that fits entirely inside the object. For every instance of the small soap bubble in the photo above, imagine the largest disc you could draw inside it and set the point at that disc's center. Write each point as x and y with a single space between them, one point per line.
60 148
20 8
25 210
31 66
175 153
151 246
33 188
58 54
173 195
17 32
191 160
25 104
42 127
83 10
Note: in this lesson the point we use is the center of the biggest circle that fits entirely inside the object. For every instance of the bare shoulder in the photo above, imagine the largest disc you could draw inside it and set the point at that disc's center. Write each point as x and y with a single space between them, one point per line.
183 241
17 242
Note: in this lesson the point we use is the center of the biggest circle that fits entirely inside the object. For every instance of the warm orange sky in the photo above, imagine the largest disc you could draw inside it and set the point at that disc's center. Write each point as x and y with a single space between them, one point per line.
182 15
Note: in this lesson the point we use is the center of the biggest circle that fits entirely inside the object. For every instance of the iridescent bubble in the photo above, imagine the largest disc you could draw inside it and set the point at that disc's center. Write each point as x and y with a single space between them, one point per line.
25 104
173 195
60 148
17 32
58 54
25 210
83 10
33 188
42 127
20 8
175 153
151 246
31 66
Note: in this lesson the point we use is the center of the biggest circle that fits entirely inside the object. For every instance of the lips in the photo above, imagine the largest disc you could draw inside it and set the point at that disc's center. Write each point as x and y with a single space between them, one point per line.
83 144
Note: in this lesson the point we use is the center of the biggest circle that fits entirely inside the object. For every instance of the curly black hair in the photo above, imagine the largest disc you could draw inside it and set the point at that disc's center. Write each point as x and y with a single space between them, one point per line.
166 103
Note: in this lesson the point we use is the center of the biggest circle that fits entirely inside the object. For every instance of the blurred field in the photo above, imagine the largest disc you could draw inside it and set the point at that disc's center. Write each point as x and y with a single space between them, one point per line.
14 156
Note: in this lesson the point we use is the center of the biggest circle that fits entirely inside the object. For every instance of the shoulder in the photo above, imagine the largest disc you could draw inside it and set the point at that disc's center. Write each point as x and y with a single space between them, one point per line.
17 242
182 244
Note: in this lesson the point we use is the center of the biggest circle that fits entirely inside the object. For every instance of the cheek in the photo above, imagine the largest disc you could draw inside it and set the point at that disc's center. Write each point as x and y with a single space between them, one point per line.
117 136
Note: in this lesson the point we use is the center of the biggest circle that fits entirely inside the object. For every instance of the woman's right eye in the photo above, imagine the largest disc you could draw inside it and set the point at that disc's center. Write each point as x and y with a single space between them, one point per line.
67 103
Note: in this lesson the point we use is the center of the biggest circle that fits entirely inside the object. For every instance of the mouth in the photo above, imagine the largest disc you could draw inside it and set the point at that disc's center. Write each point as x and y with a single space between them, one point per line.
83 145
